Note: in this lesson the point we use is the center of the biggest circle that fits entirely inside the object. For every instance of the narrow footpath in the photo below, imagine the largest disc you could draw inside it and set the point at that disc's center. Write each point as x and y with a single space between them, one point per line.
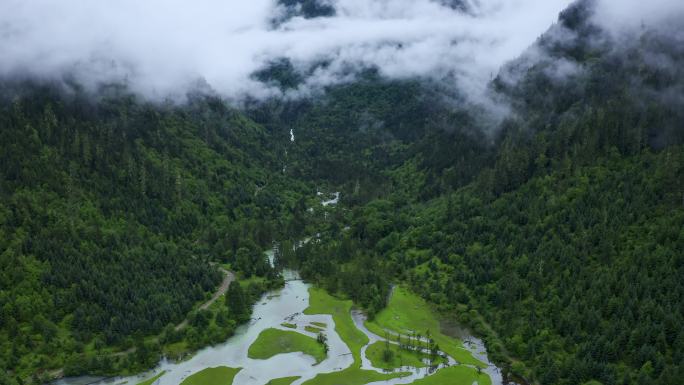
228 278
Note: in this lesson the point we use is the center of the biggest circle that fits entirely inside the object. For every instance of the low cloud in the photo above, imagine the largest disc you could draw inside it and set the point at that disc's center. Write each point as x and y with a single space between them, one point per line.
624 16
162 48
608 26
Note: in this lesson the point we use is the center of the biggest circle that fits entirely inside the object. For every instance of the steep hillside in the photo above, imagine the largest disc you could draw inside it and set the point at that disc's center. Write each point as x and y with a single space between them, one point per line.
112 210
565 250
553 230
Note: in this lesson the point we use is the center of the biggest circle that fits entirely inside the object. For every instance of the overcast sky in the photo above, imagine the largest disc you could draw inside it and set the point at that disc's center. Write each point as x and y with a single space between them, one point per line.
161 47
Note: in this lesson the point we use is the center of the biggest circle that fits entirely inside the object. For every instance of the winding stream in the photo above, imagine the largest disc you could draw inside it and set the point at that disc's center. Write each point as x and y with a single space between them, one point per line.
286 304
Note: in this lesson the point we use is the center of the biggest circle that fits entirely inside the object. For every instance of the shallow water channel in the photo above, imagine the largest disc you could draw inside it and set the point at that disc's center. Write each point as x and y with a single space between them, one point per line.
284 305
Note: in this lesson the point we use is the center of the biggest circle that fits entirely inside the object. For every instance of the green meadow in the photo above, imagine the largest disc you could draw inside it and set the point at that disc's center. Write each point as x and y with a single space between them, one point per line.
275 341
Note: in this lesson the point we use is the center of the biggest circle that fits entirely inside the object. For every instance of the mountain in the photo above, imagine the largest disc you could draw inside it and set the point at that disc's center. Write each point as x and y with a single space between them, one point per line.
112 211
555 231
564 247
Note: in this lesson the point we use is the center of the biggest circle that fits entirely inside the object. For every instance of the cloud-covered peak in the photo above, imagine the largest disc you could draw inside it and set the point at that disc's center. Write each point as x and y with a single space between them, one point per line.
161 48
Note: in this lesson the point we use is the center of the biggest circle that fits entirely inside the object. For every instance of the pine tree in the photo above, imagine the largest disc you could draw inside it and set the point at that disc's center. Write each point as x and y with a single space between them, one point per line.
237 302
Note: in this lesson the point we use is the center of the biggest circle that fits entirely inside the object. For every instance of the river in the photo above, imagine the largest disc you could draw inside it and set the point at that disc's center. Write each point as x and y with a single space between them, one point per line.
284 305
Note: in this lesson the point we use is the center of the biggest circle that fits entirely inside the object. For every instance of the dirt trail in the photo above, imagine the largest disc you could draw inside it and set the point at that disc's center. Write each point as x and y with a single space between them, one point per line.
227 279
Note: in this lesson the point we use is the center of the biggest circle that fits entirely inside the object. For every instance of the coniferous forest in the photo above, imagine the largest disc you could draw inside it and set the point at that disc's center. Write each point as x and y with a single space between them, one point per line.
555 231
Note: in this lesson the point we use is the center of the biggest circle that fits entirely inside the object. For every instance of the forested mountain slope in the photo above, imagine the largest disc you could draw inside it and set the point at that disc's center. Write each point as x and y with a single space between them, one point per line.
111 211
578 272
554 231
355 133
565 250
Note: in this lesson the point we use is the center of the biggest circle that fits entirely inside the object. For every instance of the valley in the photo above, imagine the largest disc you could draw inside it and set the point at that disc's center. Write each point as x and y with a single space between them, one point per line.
346 358
342 192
